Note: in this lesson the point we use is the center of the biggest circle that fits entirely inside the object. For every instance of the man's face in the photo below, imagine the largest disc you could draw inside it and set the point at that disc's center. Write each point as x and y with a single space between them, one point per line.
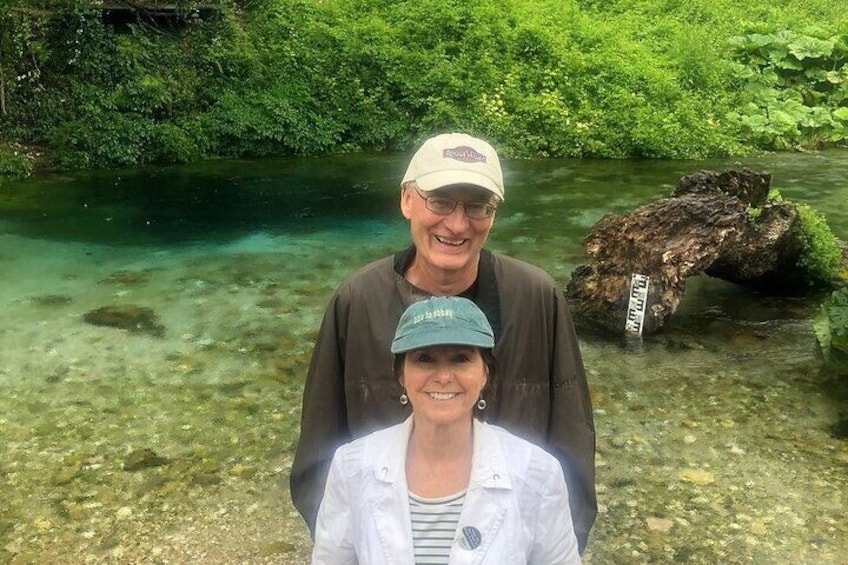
448 243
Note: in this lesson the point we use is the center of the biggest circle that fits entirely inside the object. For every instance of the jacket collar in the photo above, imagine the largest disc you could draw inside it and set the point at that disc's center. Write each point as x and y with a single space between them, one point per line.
486 294
488 462
390 463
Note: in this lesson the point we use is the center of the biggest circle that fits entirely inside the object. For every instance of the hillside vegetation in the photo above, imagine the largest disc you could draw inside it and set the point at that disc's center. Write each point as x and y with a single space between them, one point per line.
606 79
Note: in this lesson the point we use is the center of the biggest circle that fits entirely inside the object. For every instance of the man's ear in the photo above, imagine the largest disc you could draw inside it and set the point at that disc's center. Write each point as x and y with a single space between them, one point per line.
406 196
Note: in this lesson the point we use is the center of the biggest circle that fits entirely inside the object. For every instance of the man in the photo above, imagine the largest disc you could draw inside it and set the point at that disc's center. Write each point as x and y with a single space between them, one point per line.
449 195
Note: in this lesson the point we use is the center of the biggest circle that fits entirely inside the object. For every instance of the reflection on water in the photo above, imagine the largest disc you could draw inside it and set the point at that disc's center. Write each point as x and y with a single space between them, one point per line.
715 438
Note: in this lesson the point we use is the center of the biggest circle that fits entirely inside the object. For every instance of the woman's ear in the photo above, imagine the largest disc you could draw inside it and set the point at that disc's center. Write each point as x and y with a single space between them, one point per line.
486 373
399 375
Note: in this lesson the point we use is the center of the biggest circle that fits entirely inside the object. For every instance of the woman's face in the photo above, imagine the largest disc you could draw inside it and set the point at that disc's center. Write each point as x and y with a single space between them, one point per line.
443 383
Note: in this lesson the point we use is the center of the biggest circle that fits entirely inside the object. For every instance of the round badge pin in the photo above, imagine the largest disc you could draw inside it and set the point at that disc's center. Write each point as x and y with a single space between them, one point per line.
471 538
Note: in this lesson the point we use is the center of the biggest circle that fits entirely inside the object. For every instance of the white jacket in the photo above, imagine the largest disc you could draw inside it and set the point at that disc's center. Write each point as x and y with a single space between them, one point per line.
517 502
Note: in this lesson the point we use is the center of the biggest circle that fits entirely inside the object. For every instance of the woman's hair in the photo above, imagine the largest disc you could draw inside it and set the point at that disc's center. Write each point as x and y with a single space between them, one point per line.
487 355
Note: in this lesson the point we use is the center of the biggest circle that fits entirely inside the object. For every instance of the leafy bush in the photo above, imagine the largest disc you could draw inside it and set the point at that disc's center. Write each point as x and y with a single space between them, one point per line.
14 164
831 325
579 78
794 88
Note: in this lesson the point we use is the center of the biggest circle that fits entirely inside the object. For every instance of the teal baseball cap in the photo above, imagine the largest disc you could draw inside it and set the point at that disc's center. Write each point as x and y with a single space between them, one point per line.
442 320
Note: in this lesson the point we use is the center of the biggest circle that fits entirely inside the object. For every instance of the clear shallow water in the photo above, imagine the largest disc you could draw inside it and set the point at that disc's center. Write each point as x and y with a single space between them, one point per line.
714 437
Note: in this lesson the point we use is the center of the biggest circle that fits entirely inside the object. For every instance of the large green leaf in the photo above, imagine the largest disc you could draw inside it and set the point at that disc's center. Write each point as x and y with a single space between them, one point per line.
750 42
831 323
821 325
817 117
837 77
816 74
788 63
804 47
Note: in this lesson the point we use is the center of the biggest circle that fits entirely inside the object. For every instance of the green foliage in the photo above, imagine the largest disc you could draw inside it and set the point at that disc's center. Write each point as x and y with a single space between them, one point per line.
22 53
14 164
821 258
774 196
276 89
616 79
794 87
540 80
831 325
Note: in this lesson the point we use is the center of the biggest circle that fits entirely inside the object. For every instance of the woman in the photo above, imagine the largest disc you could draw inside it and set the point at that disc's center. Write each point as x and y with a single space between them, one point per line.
443 487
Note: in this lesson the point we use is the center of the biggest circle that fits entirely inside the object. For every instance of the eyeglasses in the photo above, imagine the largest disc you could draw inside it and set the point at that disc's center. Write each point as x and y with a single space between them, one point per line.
443 206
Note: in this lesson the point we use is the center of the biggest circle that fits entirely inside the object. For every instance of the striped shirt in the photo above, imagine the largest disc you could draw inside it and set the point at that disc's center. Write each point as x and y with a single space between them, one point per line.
434 522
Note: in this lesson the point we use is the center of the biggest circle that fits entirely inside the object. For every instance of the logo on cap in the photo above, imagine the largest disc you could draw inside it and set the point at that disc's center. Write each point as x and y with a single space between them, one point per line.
464 153
437 313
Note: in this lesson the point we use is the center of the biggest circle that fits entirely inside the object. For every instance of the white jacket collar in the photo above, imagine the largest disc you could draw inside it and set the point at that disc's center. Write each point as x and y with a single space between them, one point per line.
488 464
390 462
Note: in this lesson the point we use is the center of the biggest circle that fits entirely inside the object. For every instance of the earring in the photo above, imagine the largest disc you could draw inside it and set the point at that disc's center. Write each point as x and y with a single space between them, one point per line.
404 400
481 404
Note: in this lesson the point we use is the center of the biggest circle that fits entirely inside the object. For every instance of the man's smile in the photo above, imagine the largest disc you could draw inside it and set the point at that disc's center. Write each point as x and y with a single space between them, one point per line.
454 242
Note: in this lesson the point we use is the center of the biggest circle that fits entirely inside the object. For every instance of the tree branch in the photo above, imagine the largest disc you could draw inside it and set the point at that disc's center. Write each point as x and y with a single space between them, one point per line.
2 91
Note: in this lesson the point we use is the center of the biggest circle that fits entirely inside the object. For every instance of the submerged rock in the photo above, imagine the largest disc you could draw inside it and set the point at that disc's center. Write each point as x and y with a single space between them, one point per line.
839 430
136 319
663 525
143 459
127 277
66 474
206 479
185 364
697 476
51 300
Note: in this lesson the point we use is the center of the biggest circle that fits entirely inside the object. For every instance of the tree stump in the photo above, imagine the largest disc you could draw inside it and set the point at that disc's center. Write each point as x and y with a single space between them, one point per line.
705 226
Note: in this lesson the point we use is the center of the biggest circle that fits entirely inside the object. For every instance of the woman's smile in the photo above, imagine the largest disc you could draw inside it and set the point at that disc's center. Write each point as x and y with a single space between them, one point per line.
443 395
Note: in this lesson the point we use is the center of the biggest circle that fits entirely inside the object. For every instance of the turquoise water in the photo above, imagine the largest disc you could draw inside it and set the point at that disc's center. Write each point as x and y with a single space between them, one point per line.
715 438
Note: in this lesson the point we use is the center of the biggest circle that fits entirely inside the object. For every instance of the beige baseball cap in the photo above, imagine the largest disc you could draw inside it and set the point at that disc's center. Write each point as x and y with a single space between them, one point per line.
455 158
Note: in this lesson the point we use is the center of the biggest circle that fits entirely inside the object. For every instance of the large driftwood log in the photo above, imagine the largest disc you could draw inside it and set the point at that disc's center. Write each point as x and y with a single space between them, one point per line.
704 227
